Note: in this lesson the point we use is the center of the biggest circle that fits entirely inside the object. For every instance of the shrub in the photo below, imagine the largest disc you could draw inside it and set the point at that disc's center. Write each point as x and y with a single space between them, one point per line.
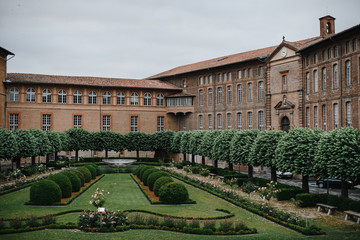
64 183
288 193
98 171
194 224
152 220
147 174
137 219
173 193
240 226
32 221
210 225
160 182
237 175
16 224
242 181
205 172
195 169
47 220
86 172
137 170
90 219
153 177
80 176
168 222
142 170
74 179
226 226
92 170
310 199
45 192
181 223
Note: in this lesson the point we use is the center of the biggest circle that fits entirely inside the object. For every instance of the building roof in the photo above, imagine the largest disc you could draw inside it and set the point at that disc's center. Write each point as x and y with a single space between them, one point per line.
181 94
27 78
7 52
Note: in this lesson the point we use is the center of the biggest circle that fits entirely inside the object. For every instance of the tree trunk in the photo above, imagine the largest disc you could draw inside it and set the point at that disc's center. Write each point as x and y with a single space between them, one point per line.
18 162
137 155
56 156
250 171
231 166
33 160
47 158
76 155
193 159
216 163
344 189
305 183
203 160
106 154
184 154
273 174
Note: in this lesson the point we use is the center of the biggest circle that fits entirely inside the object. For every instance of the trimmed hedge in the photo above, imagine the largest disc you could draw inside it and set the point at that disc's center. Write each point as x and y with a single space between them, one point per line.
74 179
155 176
147 173
92 170
80 176
160 182
173 192
64 183
86 172
137 170
142 170
288 193
98 172
45 192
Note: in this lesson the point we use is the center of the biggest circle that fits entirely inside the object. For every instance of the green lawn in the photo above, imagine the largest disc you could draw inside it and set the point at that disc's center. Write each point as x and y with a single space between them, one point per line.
124 194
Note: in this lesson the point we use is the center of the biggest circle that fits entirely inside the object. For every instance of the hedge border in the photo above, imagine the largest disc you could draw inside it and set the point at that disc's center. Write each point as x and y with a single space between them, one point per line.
16 189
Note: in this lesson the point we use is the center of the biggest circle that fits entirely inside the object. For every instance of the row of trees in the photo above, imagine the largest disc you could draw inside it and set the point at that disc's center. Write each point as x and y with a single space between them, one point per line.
301 151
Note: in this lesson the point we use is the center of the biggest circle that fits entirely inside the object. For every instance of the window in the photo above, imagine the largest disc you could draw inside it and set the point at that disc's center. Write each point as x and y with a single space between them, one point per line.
160 123
134 124
228 116
14 94
324 78
239 93
210 79
316 83
249 92
249 120
245 73
348 73
315 58
219 77
205 80
316 122
13 121
30 95
324 55
201 81
261 120
107 98
335 73
329 53
348 114
355 44
121 98
134 99
307 117
160 100
201 97
62 96
77 121
336 115
77 97
106 122
335 51
239 74
210 96
260 71
93 97
250 72
224 77
219 118
347 47
307 61
219 95
229 94
284 82
201 122
147 99
46 96
324 116
46 122
261 91
210 122
229 76
307 83
239 126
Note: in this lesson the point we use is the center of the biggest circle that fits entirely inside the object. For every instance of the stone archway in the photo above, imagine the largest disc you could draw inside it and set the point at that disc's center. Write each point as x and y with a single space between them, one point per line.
285 124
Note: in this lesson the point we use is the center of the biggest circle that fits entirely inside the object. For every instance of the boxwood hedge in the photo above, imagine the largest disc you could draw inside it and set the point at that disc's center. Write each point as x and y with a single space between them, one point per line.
160 182
64 183
45 192
92 170
173 192
74 179
153 177
86 172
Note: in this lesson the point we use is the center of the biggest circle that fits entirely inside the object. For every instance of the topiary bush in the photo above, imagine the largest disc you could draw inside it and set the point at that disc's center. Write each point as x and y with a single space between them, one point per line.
92 170
98 171
142 172
45 192
147 174
288 193
74 179
160 182
153 177
173 192
64 183
137 170
80 176
86 172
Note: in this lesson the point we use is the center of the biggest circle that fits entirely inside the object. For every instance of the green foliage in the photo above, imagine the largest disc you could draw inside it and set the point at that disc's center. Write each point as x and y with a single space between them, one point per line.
288 193
64 139
142 171
107 140
138 141
80 176
310 199
175 145
147 173
162 140
92 170
74 179
55 143
221 145
161 182
78 139
240 146
138 169
207 143
185 142
153 177
26 143
45 192
64 183
173 193
195 141
42 143
8 144
86 172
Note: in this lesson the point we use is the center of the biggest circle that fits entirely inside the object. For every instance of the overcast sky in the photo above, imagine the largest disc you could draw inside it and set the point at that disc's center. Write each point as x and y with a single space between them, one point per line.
140 38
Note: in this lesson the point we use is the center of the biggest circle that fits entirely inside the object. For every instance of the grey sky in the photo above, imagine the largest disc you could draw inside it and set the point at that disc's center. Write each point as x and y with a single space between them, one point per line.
139 38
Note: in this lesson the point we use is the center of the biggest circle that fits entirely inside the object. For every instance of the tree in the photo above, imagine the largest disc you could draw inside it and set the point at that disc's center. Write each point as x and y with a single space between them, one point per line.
207 143
55 142
8 145
138 141
175 145
184 143
240 148
195 142
221 147
338 155
263 150
162 141
26 145
78 139
64 141
42 144
295 153
106 141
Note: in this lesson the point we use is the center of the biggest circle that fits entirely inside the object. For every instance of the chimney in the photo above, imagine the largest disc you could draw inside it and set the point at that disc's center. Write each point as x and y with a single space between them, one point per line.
327 26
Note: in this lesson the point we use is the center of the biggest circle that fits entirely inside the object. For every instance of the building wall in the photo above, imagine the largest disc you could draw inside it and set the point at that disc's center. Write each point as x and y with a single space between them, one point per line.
2 88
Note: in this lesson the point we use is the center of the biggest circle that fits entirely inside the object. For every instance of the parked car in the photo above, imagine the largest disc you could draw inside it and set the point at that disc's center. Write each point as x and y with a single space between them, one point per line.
283 174
333 183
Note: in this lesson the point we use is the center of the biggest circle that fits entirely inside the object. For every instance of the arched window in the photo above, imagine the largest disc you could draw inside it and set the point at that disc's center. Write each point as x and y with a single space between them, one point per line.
160 100
324 78
92 97
219 95
348 114
30 95
316 83
261 91
201 97
46 96
147 99
77 97
348 73
121 98
335 73
261 120
134 99
107 98
62 96
14 94
219 121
